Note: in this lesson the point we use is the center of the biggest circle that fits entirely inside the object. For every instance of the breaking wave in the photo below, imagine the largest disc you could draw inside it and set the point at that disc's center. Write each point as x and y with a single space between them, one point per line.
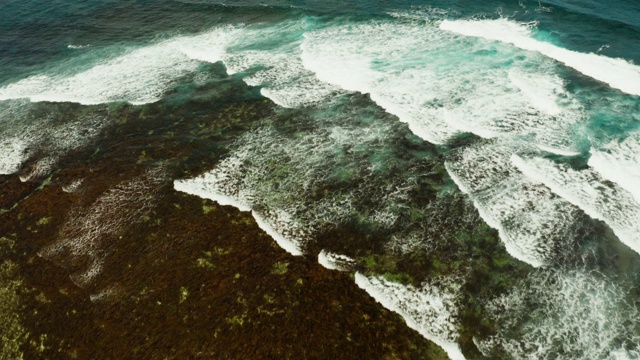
617 73
587 190
431 310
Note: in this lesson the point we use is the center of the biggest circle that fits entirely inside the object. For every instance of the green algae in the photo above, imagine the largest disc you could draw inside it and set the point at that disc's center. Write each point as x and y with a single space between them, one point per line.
184 294
238 320
43 221
205 263
280 268
212 277
12 332
207 208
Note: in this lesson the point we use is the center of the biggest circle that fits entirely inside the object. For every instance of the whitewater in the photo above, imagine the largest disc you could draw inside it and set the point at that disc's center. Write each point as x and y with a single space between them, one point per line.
515 138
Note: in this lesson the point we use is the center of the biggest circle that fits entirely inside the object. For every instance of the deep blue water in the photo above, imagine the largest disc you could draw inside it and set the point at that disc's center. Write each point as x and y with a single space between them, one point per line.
526 111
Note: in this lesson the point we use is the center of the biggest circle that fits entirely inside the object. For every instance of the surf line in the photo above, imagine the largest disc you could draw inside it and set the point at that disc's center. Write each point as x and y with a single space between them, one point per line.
617 73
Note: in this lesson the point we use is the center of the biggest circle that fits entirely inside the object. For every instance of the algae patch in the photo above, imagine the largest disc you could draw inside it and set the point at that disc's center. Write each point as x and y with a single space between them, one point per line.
280 268
12 332
43 221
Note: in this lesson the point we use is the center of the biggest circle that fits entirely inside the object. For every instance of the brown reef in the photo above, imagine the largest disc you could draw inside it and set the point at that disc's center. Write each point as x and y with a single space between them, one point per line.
183 277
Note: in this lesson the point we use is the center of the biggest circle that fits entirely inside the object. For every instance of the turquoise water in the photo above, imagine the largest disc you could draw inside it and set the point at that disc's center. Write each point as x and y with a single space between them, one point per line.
489 151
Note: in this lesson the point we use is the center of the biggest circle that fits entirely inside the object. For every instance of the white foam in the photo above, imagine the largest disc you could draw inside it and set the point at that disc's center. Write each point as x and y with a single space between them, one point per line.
32 142
337 56
533 223
105 294
619 161
539 89
280 73
85 238
221 185
587 190
224 185
286 178
200 187
40 168
283 241
13 152
564 314
73 186
561 152
430 310
437 84
618 73
333 261
139 76
75 47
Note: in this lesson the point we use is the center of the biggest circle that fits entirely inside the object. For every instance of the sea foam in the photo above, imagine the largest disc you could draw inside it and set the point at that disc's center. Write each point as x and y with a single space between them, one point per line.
333 261
618 73
619 161
430 310
587 190
14 153
533 223
275 66
85 240
32 140
138 76
564 314
440 85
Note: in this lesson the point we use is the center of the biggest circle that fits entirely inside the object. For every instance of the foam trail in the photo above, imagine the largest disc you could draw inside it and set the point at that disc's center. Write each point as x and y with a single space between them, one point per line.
283 241
284 177
75 47
31 141
207 186
85 240
278 70
274 175
618 73
198 188
333 261
619 161
40 168
349 67
533 223
430 310
587 190
563 315
285 80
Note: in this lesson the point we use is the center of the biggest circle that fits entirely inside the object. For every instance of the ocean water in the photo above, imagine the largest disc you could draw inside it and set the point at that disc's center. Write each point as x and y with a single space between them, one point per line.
475 165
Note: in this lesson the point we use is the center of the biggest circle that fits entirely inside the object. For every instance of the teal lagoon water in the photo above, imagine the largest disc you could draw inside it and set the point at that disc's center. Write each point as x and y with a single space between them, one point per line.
429 126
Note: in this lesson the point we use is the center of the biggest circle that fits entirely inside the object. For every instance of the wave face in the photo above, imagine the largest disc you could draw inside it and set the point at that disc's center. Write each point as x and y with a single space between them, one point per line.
479 171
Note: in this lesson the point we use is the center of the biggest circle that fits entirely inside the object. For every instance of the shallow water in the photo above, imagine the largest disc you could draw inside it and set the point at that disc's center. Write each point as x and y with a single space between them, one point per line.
470 163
